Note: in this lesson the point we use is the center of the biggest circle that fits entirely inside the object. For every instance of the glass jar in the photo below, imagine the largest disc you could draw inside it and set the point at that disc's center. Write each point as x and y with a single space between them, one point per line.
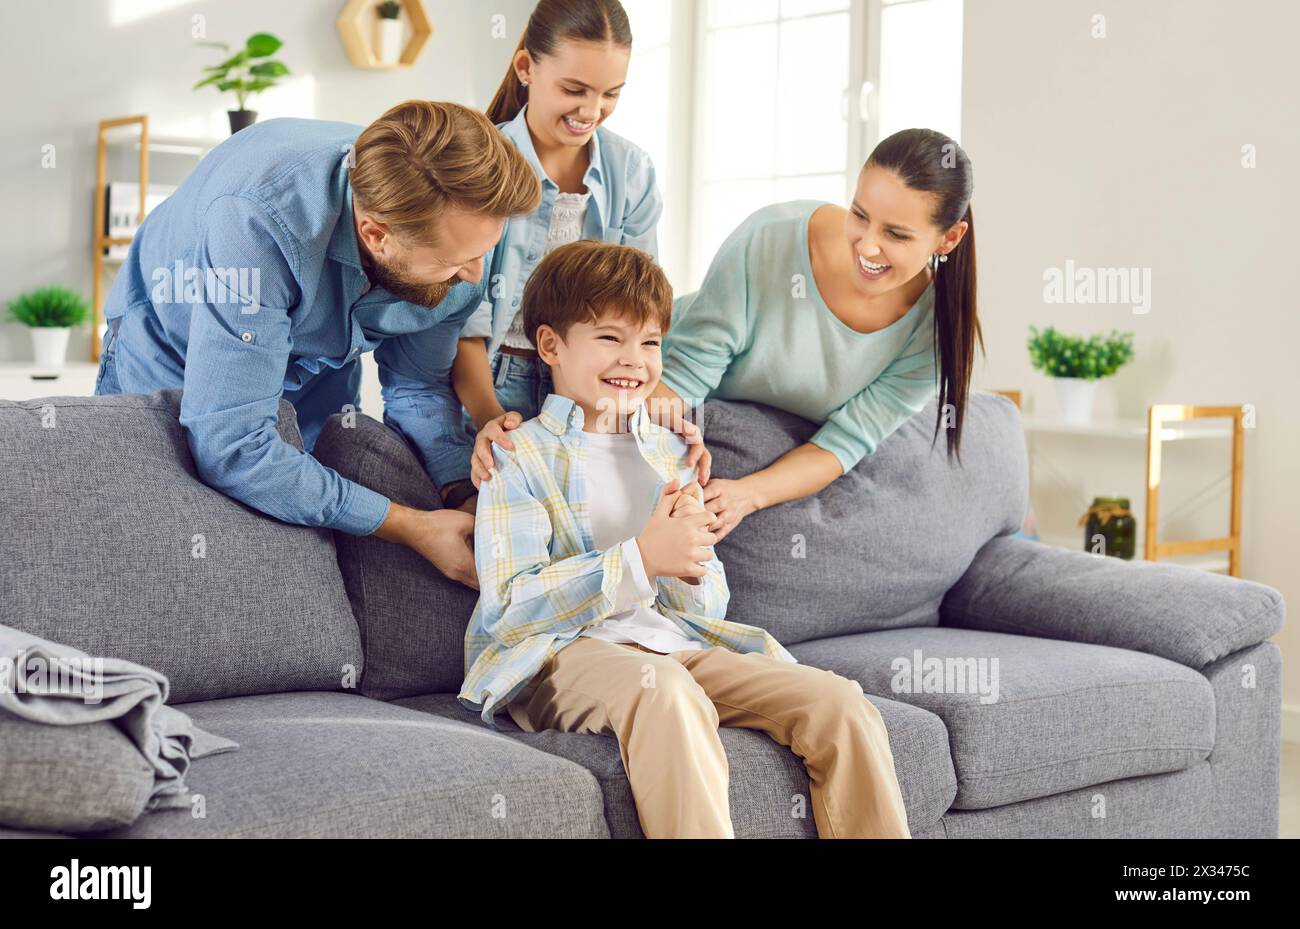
1111 518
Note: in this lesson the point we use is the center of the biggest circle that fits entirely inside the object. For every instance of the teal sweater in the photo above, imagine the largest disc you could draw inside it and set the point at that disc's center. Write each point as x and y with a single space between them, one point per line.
759 330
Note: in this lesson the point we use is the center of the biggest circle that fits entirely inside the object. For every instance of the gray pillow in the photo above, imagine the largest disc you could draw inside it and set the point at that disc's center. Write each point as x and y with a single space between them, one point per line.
85 778
880 546
100 507
412 618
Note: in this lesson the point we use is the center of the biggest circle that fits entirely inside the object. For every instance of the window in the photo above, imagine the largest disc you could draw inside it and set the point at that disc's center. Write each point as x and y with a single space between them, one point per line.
920 66
742 103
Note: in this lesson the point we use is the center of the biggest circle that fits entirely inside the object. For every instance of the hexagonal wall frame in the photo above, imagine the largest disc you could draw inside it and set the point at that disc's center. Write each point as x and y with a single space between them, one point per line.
356 26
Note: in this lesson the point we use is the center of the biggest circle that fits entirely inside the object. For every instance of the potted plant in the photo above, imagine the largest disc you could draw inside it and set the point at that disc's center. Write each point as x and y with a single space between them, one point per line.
50 313
388 32
1077 365
244 75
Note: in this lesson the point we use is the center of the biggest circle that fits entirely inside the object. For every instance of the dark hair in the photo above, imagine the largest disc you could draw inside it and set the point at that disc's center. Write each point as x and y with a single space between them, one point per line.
929 161
584 280
552 22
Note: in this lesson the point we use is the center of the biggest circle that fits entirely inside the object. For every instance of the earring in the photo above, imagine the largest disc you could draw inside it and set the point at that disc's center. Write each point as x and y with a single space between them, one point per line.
523 83
943 257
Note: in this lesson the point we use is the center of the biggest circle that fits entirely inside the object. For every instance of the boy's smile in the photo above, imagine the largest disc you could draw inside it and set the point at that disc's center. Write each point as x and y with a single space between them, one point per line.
608 367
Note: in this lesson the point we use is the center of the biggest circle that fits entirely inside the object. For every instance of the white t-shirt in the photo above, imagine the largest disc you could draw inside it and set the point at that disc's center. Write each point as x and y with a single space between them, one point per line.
621 488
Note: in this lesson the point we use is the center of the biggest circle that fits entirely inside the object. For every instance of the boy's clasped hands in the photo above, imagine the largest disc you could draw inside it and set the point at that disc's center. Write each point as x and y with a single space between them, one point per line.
675 542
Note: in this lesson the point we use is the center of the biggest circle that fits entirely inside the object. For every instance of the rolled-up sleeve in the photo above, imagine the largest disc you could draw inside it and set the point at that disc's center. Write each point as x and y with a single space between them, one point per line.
415 378
238 350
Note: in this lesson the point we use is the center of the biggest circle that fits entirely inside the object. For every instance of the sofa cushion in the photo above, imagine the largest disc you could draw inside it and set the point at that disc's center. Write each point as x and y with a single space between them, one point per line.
765 775
412 618
1047 717
331 765
102 517
881 545
82 778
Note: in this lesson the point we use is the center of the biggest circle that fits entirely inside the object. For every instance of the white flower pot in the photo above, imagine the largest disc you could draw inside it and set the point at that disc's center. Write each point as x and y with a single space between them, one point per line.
1074 399
388 41
50 346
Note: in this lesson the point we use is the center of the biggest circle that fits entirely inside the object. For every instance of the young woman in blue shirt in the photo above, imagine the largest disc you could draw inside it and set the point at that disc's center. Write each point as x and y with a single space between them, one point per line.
563 83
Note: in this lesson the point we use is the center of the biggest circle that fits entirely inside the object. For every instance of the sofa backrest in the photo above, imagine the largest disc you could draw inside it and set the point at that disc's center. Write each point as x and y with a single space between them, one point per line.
109 542
880 546
412 618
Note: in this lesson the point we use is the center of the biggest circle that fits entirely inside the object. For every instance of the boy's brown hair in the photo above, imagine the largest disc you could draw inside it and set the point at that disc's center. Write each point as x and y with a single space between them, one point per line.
582 281
423 156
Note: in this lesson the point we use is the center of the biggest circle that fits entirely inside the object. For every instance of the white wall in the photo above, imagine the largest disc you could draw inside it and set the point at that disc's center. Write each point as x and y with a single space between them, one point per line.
1126 151
69 63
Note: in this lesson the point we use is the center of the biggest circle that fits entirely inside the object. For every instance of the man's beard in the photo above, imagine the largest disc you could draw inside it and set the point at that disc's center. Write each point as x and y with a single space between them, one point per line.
389 278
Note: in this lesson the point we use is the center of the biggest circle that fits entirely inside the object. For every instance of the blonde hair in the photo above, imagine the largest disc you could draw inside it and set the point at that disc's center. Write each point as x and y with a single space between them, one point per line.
423 156
584 280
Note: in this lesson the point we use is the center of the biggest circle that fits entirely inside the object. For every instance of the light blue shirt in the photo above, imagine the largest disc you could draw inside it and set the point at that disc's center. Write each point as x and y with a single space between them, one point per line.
759 330
273 204
624 207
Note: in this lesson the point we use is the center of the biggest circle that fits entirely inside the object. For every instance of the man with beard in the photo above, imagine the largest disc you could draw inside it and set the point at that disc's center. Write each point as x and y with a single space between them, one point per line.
295 247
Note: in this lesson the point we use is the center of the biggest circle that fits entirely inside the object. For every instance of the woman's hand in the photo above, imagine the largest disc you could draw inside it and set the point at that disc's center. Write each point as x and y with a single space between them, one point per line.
729 502
481 466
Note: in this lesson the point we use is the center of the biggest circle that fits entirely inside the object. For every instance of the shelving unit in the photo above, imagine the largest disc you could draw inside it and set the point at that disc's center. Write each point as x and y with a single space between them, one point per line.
1165 423
147 145
99 240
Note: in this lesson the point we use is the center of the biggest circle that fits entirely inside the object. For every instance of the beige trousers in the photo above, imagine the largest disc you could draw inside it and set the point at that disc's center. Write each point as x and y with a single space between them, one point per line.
665 711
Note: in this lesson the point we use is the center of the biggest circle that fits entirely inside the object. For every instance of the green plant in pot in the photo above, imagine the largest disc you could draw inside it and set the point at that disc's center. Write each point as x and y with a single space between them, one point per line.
388 32
249 71
50 313
1077 365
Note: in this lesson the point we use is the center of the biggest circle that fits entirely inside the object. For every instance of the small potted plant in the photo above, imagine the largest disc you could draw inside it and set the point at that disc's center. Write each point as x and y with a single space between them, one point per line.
243 74
1077 365
50 313
388 32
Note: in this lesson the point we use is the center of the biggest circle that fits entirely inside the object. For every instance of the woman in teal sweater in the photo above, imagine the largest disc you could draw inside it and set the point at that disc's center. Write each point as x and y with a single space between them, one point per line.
852 318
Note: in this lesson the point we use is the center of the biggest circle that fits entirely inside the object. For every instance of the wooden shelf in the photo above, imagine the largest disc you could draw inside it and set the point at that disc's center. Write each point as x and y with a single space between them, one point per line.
356 27
1131 429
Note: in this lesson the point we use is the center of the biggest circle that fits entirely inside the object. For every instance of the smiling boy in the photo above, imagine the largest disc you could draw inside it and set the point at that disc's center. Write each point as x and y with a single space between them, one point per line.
602 604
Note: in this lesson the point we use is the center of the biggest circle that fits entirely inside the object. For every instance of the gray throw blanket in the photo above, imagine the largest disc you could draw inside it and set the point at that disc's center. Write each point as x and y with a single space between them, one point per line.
56 684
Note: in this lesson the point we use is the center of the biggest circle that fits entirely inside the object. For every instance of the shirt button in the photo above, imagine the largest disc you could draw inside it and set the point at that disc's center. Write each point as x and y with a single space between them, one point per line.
246 336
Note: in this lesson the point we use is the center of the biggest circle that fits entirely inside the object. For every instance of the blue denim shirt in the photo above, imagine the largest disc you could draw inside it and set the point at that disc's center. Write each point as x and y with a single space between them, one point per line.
624 208
269 212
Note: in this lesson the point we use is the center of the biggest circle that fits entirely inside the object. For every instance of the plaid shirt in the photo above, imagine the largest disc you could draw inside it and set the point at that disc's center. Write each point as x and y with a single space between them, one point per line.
542 581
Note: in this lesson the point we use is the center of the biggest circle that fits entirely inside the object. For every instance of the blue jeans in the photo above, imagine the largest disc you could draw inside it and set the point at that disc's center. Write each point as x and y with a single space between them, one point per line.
522 386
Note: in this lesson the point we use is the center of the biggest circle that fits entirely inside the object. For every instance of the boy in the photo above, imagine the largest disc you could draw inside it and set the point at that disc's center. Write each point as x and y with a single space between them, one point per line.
601 602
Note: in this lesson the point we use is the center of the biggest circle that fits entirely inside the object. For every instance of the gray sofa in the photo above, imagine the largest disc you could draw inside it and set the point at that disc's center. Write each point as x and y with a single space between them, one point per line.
1028 691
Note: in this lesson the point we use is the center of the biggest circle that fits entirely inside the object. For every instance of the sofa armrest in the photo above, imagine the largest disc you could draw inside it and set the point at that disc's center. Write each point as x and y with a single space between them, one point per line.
1186 615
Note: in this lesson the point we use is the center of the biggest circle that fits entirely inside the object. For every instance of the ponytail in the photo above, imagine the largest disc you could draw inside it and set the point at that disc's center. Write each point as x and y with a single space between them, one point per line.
956 330
930 162
553 21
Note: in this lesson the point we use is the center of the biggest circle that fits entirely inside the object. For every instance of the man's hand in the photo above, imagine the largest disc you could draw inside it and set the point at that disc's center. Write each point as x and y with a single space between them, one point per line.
481 466
445 538
675 546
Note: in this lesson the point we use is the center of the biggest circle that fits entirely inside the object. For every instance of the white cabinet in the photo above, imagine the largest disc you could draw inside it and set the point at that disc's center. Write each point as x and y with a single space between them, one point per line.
17 381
